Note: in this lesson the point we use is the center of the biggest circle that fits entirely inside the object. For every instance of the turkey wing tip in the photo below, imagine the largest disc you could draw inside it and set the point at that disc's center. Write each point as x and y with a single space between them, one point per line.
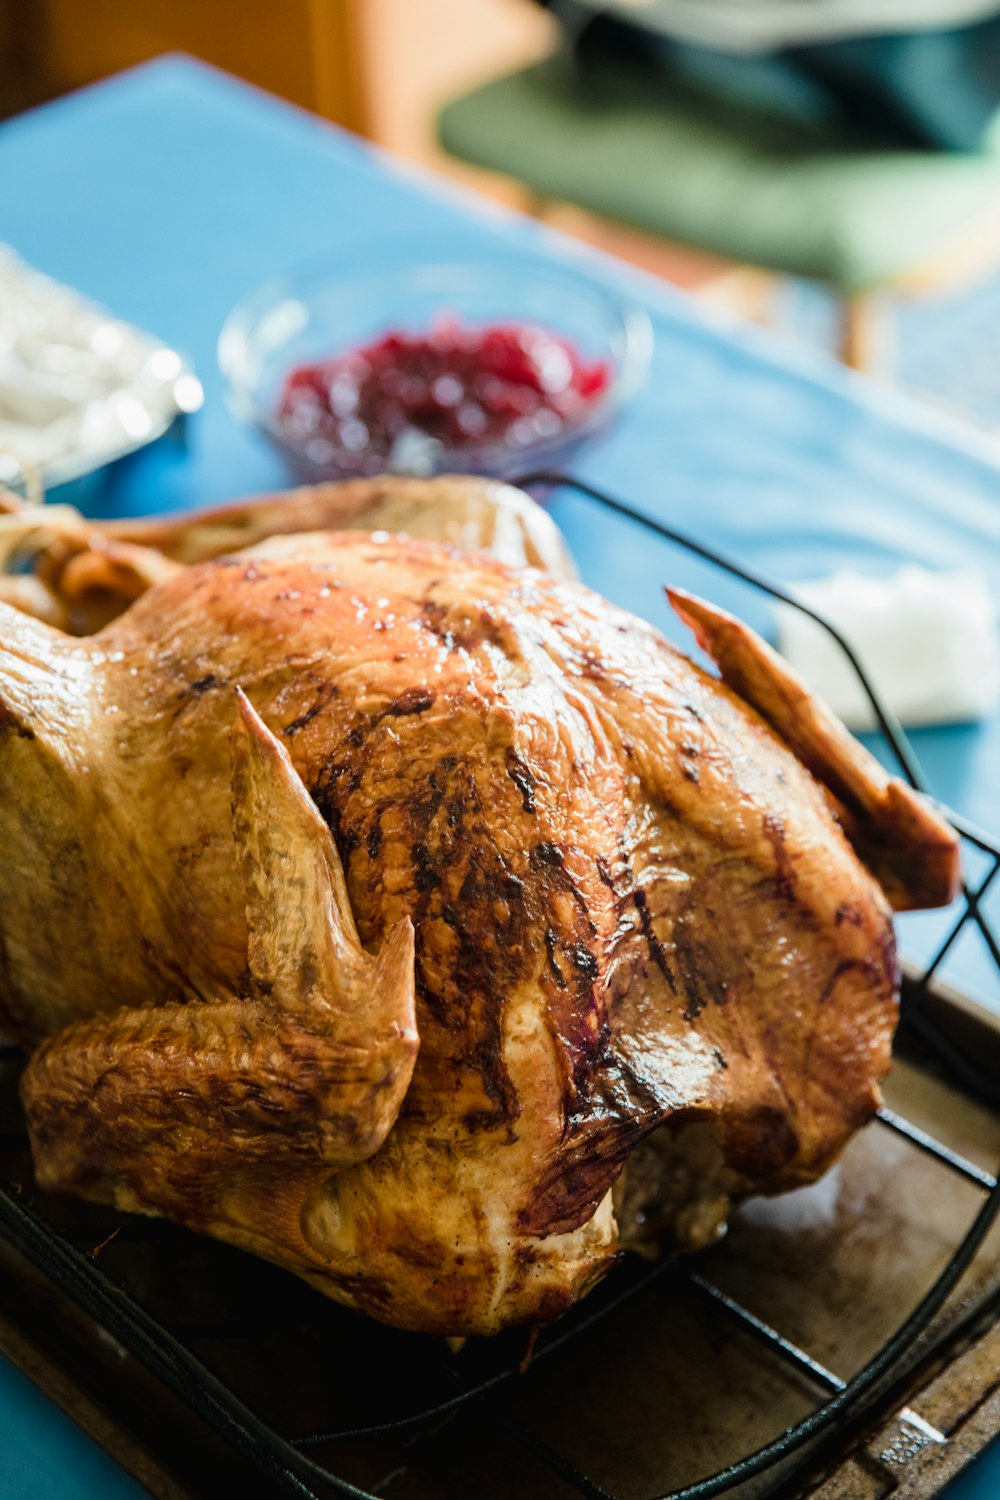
907 844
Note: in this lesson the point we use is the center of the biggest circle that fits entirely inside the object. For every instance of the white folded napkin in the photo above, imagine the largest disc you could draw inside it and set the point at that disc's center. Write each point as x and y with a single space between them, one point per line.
928 642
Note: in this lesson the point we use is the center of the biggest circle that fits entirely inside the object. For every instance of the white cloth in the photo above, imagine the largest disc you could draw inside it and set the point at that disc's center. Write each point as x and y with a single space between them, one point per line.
766 25
928 642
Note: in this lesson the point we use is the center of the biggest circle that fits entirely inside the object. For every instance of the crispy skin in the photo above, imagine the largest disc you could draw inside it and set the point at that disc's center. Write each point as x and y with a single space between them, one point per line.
86 572
633 908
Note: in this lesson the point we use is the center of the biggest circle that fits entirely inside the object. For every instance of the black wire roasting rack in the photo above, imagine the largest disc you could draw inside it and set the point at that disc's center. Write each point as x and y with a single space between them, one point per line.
317 1401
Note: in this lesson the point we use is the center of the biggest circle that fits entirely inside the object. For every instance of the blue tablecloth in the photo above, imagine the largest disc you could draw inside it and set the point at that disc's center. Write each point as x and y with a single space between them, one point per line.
169 192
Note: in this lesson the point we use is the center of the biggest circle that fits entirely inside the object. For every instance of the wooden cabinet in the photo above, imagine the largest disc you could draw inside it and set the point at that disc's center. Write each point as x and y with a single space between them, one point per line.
308 51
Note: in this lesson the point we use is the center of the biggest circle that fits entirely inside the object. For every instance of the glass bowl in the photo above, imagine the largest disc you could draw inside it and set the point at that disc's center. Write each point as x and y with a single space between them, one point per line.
327 308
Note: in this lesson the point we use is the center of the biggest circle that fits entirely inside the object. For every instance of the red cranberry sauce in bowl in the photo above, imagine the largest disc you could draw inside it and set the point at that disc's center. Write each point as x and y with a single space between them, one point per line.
407 399
498 363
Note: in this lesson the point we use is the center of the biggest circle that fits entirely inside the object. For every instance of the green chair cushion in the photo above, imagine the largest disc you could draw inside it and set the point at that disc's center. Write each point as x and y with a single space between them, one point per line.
748 186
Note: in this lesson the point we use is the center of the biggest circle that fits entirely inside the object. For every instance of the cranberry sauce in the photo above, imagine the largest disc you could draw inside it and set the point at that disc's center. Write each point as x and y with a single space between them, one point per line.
401 400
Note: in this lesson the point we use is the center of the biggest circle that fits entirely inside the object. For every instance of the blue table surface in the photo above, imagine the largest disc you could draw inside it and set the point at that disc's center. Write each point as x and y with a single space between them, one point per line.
170 191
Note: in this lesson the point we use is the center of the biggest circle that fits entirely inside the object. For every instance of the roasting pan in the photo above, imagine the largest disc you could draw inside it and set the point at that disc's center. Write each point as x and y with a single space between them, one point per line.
842 1341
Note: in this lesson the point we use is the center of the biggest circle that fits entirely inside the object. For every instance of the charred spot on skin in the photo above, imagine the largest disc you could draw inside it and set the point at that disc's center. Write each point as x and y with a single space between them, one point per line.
374 841
203 684
584 961
720 1061
653 943
413 701
691 773
618 885
440 790
522 778
705 979
478 1120
552 953
548 854
590 1051
424 807
425 877
784 875
348 841
486 1059
324 792
303 719
434 617
693 710
456 810
552 860
459 630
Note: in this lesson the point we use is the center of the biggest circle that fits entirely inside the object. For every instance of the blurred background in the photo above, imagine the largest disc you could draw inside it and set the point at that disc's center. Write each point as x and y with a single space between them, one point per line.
843 188
379 67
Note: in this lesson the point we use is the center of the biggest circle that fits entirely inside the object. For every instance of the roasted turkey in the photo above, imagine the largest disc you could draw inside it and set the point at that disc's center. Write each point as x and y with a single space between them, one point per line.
418 920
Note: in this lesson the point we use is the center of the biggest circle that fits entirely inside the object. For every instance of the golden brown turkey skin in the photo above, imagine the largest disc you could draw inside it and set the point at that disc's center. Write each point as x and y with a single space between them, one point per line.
631 906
